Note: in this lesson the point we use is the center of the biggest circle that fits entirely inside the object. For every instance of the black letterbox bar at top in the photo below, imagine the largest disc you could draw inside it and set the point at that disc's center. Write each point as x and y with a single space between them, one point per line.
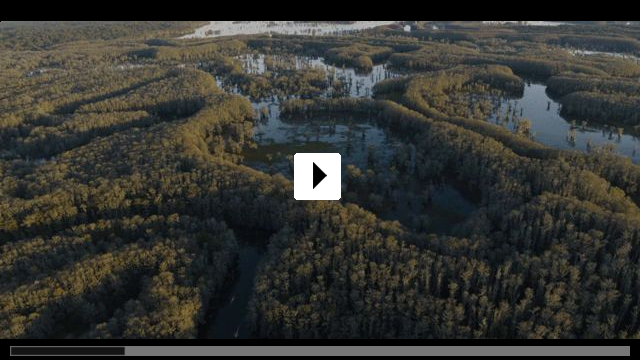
67 350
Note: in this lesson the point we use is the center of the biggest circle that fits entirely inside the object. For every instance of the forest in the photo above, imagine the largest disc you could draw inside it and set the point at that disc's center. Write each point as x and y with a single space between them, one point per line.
128 196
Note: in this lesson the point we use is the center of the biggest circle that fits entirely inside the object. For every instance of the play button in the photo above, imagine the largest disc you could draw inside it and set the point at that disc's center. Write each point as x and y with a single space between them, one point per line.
317 176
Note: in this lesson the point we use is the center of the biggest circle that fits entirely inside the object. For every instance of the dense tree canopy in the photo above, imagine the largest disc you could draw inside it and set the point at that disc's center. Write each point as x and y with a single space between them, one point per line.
124 192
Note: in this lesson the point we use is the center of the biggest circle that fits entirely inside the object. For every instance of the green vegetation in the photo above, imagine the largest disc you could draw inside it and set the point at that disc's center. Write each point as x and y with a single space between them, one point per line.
359 56
124 189
604 99
36 35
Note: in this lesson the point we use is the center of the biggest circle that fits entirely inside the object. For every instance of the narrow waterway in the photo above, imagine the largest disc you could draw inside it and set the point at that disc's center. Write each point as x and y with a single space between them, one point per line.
230 319
361 143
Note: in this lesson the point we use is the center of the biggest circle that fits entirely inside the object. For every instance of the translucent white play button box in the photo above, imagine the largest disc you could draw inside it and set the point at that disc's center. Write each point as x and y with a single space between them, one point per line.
316 176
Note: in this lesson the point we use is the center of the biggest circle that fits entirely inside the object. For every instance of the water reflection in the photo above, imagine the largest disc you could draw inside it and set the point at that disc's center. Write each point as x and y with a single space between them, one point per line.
625 56
551 128
342 81
311 28
387 161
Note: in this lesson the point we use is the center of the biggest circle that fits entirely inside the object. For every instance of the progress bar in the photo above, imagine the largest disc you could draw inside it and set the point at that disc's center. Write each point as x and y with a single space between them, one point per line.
327 351
66 350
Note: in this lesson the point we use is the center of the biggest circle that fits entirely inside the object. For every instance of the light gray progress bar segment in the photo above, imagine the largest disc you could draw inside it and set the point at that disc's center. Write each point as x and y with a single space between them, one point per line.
378 350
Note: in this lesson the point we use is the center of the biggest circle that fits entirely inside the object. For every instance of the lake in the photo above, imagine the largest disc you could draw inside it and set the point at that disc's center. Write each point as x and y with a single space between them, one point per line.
552 129
230 28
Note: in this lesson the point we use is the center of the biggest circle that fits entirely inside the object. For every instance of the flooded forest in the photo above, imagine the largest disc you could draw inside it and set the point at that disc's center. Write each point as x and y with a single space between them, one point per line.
490 180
